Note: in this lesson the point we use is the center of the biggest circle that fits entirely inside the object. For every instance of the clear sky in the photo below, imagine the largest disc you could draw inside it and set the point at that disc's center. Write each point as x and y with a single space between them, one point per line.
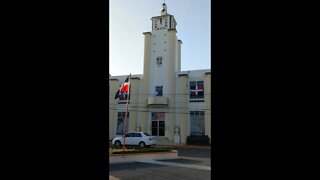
130 18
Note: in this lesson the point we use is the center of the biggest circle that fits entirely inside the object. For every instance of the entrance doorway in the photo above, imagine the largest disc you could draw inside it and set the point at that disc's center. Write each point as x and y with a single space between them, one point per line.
158 123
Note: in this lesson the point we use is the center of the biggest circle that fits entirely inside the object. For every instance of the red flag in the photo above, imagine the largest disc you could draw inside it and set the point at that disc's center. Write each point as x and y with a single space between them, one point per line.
124 88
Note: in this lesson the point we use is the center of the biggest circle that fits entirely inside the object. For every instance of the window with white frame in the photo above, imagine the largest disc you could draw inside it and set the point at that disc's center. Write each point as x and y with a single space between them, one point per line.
196 90
120 122
197 122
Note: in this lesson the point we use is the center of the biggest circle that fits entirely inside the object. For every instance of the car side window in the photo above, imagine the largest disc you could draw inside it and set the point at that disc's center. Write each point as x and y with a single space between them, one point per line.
129 135
138 135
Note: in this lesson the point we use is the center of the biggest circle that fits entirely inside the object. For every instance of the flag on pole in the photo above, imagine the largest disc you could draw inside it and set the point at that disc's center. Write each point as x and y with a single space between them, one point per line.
124 88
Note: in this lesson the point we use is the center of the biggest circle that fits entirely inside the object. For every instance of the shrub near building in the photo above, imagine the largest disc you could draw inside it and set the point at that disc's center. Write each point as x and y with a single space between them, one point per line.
198 140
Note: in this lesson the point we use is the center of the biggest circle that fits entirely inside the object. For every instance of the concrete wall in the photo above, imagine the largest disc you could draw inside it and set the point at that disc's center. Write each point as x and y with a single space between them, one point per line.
183 108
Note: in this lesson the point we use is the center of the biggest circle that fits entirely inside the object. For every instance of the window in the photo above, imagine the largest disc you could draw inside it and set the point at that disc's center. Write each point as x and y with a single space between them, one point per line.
159 60
159 90
120 124
196 90
130 135
137 135
197 122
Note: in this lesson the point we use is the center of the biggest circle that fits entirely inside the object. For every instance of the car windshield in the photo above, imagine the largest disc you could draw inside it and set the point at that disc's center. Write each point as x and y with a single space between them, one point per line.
146 134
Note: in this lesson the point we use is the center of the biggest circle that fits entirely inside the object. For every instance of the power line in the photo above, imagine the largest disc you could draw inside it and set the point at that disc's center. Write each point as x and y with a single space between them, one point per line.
163 111
153 94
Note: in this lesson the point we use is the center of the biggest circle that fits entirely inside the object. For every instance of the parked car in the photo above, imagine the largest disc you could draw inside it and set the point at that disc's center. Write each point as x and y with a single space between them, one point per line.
140 139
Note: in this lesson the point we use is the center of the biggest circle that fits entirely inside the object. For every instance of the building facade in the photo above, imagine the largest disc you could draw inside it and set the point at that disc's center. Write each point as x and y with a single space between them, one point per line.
164 101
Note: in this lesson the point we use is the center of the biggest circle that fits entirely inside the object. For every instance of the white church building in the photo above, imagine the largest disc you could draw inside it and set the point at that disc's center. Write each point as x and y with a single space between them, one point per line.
166 102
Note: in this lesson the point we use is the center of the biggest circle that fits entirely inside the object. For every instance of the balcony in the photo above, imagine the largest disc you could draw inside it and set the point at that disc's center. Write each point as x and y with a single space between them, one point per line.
157 101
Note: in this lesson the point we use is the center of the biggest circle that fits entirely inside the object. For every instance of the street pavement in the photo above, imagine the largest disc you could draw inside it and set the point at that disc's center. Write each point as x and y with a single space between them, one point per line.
192 164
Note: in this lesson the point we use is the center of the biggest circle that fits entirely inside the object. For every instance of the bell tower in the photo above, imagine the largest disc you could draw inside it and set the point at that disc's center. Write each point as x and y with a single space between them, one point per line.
161 66
164 21
161 56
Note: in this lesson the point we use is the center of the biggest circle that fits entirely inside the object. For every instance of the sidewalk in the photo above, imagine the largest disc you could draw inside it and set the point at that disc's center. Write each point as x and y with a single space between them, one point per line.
170 144
112 178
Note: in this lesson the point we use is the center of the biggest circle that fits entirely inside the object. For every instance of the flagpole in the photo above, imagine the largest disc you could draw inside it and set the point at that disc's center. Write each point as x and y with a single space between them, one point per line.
126 115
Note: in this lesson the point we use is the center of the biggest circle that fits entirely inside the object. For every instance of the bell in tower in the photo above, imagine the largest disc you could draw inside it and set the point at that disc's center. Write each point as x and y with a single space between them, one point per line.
164 9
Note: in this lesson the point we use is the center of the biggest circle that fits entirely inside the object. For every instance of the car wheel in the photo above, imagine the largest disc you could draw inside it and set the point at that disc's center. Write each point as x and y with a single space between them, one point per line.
117 143
142 144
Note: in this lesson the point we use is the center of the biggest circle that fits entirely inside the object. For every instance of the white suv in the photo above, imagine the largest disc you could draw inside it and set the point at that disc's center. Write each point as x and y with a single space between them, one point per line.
141 139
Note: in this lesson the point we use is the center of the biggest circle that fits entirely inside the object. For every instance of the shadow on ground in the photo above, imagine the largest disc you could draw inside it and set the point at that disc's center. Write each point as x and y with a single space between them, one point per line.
181 160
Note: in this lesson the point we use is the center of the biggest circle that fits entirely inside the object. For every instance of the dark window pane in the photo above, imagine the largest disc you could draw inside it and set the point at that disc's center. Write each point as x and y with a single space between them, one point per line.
154 124
192 85
200 94
120 126
161 131
154 131
159 90
193 93
161 123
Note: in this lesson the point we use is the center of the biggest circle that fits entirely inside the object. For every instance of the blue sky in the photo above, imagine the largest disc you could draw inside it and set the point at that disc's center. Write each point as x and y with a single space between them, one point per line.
130 18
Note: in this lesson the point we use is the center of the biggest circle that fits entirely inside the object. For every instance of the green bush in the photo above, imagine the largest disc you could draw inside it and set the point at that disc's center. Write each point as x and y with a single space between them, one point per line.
198 140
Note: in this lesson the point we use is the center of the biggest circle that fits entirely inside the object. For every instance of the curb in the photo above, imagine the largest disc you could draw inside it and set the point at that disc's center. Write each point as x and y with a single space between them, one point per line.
130 154
185 146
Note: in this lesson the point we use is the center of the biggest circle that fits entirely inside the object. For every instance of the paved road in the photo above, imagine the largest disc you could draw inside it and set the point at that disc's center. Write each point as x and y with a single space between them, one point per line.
192 164
146 171
191 152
